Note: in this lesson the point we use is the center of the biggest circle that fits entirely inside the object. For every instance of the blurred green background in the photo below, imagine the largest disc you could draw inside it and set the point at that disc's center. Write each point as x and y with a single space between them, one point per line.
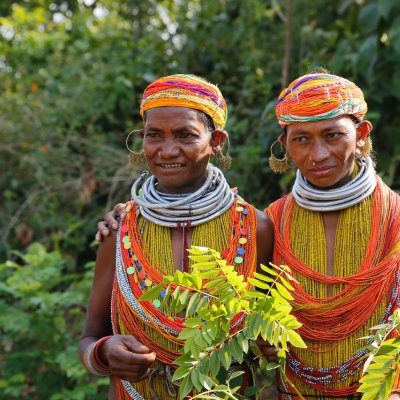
71 76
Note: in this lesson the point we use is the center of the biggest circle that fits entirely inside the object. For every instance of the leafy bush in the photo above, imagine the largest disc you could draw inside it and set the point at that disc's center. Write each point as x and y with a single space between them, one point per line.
212 295
41 315
382 368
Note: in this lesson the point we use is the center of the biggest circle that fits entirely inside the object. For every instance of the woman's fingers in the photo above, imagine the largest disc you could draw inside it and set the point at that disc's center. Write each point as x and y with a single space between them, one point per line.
110 221
128 358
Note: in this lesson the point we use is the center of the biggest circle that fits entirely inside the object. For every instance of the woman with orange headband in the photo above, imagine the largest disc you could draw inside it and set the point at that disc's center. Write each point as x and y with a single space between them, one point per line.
338 230
185 200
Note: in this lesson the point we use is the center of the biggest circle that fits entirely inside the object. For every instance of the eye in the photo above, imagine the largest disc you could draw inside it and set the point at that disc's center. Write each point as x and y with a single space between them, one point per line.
300 139
151 134
333 135
187 135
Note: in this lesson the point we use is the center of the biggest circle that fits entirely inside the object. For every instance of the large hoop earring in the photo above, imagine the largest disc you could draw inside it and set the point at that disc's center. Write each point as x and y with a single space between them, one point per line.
366 150
136 158
279 165
225 160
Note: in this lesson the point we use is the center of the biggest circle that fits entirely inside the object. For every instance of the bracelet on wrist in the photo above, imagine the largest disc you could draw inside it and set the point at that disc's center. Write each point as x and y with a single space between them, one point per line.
93 362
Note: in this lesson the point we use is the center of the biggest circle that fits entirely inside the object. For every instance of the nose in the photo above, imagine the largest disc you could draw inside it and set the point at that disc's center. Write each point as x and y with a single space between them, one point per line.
168 149
319 151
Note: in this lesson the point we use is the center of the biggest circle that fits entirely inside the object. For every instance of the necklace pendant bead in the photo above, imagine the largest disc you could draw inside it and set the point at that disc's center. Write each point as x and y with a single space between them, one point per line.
130 270
240 251
156 303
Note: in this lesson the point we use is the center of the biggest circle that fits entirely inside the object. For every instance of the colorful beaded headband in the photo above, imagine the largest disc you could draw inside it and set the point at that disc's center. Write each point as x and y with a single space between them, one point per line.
316 97
189 91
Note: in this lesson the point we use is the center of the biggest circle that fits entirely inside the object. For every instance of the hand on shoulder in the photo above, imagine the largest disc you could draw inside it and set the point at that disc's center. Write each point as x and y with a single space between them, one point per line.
110 222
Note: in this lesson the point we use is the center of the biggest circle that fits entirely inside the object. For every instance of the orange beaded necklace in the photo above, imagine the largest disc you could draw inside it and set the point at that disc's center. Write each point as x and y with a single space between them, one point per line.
365 290
138 269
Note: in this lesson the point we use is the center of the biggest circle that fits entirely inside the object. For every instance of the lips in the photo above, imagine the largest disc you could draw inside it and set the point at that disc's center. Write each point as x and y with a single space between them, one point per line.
170 165
321 171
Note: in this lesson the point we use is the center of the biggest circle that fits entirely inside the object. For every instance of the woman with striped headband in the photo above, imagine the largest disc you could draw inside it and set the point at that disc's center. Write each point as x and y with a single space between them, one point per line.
186 200
338 230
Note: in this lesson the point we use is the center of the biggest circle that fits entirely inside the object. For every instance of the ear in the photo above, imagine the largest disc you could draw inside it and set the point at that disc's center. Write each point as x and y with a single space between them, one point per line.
363 130
282 139
218 138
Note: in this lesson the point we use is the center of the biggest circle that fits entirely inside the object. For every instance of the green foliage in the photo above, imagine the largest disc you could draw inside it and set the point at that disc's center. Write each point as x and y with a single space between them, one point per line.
41 316
383 362
213 295
71 76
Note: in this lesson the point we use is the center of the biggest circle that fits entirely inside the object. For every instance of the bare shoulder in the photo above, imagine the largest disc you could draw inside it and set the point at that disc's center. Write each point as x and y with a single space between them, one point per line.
105 260
107 248
98 316
265 238
264 223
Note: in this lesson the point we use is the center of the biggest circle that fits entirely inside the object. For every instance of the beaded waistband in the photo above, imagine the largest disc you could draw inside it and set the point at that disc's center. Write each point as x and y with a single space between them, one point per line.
321 396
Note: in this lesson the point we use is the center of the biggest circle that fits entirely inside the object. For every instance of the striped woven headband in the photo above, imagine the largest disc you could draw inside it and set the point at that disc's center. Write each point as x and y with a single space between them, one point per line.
316 97
189 91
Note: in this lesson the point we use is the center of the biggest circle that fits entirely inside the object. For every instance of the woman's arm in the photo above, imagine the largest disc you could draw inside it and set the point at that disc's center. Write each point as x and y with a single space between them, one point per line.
120 355
265 247
265 239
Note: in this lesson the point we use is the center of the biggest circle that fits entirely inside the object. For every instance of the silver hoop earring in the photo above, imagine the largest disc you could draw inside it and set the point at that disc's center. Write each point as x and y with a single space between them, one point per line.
136 158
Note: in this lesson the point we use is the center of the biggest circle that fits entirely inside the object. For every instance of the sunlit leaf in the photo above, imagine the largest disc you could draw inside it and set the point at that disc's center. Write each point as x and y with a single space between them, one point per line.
258 283
295 339
181 372
193 303
152 293
214 362
186 386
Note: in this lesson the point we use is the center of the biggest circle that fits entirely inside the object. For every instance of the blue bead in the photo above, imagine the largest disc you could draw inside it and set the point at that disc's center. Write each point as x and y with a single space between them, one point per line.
240 251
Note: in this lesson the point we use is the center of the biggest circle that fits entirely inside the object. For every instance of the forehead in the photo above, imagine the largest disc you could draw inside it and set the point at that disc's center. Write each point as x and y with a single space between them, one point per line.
344 123
173 116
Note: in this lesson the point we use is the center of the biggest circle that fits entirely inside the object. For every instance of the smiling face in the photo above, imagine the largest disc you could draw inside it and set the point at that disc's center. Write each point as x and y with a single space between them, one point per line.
177 146
324 151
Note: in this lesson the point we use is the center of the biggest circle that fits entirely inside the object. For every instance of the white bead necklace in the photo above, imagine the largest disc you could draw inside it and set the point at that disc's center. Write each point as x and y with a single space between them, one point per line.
211 200
353 192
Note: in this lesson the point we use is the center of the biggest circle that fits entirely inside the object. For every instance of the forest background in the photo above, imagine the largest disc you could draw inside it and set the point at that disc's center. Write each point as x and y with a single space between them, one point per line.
71 76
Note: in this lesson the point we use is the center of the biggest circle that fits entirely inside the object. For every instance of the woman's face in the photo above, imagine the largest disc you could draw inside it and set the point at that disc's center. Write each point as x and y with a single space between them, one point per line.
177 146
324 151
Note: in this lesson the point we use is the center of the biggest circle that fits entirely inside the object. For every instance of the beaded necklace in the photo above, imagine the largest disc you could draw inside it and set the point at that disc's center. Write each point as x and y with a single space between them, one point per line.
366 286
212 199
144 255
358 189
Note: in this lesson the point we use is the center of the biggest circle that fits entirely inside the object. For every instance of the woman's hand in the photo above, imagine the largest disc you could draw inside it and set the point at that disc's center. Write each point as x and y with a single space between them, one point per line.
110 221
128 359
267 350
394 396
